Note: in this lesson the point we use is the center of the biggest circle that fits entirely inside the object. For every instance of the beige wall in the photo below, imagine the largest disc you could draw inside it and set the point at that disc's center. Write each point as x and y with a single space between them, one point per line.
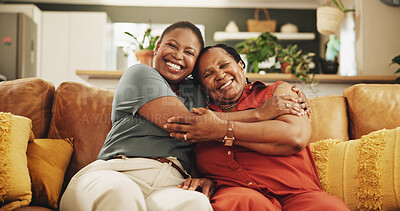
377 37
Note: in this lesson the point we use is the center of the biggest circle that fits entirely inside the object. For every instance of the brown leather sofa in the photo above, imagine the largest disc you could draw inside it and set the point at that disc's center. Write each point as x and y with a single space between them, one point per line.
82 112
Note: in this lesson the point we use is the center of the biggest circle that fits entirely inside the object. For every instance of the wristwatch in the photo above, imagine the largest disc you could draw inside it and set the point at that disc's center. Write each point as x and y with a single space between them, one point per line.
229 138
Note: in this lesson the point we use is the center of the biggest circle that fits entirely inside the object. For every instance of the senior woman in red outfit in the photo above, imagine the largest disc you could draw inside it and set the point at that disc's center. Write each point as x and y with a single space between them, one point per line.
262 165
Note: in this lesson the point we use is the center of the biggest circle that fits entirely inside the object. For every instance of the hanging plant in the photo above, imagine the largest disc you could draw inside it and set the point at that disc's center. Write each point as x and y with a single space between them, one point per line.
329 19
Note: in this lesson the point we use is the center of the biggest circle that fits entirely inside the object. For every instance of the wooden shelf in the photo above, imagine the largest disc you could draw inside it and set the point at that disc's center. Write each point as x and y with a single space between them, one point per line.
225 36
108 74
323 78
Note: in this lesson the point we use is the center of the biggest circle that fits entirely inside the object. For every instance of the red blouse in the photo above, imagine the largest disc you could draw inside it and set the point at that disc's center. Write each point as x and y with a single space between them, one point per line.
239 166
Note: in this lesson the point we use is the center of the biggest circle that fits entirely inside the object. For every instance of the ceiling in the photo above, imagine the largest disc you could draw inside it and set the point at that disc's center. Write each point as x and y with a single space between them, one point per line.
287 4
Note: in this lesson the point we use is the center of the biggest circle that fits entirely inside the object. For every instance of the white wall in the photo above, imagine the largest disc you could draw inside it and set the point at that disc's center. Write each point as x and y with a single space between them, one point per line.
377 37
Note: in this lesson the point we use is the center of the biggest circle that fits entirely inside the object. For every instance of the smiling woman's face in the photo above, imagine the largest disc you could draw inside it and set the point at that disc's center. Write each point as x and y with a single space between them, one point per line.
221 76
176 54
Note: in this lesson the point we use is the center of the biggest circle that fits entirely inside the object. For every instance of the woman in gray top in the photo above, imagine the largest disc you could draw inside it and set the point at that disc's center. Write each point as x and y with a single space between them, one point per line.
140 165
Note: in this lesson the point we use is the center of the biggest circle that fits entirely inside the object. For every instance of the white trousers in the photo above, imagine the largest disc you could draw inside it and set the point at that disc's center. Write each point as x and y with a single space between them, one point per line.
130 184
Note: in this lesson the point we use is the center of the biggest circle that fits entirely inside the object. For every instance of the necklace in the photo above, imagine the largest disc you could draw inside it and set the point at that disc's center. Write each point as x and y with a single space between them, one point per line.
228 107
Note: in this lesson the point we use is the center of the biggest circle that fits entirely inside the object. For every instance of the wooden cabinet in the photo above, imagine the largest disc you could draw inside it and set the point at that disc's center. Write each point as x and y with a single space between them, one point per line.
75 40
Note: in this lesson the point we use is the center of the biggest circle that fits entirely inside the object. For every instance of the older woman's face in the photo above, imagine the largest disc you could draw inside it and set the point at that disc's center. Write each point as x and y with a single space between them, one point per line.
221 76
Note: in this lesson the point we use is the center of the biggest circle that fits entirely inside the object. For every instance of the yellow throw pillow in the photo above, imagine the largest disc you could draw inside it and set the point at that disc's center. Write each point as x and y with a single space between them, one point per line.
48 160
15 184
364 173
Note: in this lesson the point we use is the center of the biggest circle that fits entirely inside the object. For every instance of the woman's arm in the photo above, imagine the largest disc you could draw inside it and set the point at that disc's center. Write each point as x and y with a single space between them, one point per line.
134 88
285 135
142 90
159 110
272 108
269 109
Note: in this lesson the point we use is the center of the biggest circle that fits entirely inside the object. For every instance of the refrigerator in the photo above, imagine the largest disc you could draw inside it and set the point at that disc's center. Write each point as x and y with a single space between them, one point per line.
18 37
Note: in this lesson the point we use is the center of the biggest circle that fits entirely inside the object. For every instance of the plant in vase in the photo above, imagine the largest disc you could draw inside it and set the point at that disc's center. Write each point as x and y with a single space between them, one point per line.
144 49
259 49
330 18
330 64
293 61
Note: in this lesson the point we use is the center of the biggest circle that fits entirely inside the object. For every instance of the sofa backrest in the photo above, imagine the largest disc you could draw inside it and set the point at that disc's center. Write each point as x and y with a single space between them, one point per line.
329 118
372 107
83 113
29 97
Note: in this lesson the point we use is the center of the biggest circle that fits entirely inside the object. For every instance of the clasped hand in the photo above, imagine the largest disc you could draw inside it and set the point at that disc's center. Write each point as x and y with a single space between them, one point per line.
206 126
204 185
279 105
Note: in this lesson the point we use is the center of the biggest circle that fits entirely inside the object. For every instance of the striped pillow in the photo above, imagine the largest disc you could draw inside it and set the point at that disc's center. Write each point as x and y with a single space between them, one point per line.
364 173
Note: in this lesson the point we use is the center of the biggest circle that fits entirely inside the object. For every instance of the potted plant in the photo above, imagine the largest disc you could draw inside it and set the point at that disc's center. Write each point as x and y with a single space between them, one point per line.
293 61
259 49
396 60
287 57
330 64
144 49
330 18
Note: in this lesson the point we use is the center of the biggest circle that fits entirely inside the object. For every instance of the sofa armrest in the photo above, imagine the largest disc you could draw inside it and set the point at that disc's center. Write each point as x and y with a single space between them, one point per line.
372 107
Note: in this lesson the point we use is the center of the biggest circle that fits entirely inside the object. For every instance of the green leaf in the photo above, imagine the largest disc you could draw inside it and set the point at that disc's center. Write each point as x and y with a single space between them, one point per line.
129 34
288 68
255 66
259 49
332 48
396 60
147 39
397 71
265 52
251 57
314 83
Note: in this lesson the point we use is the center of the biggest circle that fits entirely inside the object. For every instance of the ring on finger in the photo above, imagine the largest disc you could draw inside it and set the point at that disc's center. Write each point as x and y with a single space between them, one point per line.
185 137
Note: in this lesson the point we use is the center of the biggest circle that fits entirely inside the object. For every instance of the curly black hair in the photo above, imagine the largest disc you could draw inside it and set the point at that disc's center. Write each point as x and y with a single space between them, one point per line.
184 25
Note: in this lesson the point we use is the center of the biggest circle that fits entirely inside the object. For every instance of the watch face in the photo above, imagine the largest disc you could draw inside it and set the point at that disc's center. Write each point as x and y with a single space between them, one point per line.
391 2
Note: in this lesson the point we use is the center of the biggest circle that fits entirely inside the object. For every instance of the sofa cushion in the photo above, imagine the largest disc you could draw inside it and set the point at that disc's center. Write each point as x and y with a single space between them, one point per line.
372 107
29 97
364 173
329 118
83 113
15 184
48 160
